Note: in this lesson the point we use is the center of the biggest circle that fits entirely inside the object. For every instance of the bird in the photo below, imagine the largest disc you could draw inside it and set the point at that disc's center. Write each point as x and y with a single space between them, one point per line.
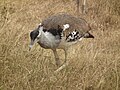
60 31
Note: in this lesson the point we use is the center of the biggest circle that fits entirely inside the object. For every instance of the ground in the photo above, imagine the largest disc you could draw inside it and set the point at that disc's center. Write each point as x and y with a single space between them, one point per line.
94 63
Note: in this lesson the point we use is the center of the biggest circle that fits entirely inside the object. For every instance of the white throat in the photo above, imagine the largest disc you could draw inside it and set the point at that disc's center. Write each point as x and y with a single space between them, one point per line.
40 31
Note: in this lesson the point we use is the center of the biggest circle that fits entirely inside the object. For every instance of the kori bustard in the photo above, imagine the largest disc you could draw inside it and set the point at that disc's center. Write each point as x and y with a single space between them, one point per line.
60 32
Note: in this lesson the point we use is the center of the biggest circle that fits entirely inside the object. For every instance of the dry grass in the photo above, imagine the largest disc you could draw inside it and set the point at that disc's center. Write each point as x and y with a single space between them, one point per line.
94 63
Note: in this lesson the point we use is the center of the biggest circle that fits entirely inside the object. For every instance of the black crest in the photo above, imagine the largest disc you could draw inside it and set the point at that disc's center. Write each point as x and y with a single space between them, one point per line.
34 34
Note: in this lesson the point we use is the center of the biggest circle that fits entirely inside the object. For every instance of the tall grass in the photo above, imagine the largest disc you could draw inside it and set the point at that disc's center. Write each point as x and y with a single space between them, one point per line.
94 63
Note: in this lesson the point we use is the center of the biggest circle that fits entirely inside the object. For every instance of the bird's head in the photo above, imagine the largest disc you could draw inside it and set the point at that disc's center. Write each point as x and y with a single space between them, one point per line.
35 35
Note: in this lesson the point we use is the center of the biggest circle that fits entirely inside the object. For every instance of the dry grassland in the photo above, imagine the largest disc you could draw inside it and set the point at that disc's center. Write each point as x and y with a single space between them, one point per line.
94 63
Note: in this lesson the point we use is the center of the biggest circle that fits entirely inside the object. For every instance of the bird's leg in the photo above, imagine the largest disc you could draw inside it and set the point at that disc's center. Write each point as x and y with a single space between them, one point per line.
64 64
56 57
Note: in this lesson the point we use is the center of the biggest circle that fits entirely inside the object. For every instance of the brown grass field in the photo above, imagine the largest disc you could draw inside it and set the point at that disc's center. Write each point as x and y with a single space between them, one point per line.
94 63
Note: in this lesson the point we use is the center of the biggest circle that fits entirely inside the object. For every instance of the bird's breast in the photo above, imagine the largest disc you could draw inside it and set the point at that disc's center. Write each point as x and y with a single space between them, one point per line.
48 40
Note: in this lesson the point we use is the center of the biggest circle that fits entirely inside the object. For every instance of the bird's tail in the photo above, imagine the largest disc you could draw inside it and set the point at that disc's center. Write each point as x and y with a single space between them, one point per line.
88 35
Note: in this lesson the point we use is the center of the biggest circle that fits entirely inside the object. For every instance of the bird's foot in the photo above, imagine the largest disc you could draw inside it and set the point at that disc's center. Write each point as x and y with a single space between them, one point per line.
61 67
58 63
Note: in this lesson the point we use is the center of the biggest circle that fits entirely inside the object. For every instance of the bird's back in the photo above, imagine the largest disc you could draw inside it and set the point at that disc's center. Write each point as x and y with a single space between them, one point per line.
78 24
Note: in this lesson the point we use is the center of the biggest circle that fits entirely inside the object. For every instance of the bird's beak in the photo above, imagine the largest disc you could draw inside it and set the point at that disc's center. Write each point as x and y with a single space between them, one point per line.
31 44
